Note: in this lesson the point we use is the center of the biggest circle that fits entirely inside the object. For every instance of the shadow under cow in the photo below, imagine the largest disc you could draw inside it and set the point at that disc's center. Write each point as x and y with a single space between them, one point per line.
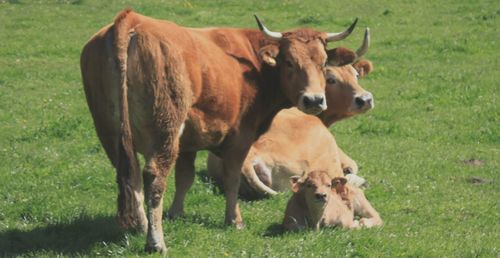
74 237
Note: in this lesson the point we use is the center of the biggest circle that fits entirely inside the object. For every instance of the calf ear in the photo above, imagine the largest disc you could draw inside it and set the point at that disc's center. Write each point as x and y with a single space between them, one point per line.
268 54
295 182
340 56
338 184
363 67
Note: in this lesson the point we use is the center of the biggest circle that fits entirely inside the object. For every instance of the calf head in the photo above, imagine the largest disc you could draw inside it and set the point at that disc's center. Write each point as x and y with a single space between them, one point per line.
301 57
344 95
316 188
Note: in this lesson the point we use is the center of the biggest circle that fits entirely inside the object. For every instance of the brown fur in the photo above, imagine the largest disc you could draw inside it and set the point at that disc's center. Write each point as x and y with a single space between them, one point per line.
363 67
319 201
344 90
144 79
297 142
340 56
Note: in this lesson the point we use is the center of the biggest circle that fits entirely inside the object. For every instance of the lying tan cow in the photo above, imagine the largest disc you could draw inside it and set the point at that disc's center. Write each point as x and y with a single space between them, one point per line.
165 91
320 201
298 142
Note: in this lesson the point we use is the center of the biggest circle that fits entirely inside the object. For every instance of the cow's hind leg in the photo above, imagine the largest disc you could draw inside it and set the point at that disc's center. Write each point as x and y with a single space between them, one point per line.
184 177
349 166
130 196
155 175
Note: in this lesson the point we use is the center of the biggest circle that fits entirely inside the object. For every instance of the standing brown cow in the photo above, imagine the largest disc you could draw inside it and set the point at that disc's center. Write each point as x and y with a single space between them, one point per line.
298 142
166 91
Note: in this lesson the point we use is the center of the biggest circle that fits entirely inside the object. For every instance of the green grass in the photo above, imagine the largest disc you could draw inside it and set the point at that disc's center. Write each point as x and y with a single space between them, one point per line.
436 89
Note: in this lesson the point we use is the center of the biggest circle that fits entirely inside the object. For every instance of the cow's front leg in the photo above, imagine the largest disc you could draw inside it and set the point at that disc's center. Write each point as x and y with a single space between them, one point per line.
184 177
233 162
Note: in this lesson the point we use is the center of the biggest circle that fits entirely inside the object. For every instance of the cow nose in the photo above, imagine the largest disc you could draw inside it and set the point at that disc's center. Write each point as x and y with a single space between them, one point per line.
321 196
313 101
364 101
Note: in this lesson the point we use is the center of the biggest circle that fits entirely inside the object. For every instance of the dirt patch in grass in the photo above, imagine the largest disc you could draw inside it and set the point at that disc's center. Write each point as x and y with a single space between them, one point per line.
474 162
478 180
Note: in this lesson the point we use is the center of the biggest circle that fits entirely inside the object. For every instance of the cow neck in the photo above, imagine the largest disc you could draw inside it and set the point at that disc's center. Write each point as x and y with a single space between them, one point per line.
312 218
270 99
314 214
328 120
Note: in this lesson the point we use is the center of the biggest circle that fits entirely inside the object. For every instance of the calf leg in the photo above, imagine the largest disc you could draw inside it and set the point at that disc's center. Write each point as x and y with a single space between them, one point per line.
184 177
363 208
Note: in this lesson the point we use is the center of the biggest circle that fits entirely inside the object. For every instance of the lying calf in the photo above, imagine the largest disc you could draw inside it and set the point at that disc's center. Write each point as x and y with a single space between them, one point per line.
320 201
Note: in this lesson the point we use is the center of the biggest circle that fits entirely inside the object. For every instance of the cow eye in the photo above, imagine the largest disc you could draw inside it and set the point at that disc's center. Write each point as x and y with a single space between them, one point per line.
329 185
331 80
289 64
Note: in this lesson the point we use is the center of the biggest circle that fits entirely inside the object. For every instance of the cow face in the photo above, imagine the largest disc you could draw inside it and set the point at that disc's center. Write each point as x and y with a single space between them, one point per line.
344 95
300 56
301 73
316 187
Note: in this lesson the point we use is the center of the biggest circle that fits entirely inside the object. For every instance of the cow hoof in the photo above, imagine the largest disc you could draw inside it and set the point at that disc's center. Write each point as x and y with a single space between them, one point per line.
356 180
366 223
237 225
240 225
356 224
348 170
156 248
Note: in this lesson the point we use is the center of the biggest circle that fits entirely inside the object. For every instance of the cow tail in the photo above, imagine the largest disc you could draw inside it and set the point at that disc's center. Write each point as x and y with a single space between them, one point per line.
128 170
254 181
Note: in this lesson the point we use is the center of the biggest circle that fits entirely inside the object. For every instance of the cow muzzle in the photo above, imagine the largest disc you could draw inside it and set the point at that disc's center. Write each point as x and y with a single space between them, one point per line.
364 102
312 103
320 197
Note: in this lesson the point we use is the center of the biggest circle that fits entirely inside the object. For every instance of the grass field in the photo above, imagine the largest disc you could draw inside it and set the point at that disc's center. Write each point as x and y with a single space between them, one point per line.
430 148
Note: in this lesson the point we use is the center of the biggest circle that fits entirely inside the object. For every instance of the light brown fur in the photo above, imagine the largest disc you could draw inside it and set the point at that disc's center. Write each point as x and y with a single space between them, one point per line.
297 142
146 79
319 201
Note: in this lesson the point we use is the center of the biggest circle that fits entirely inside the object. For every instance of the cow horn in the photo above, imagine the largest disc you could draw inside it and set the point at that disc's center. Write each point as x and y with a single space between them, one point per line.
330 37
366 44
270 34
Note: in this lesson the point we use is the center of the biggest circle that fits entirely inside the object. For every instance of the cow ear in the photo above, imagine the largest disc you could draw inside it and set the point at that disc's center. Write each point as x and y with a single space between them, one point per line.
363 67
268 54
338 184
295 182
340 56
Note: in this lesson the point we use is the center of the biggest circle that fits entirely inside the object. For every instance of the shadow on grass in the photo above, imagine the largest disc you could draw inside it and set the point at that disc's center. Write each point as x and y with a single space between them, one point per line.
215 186
71 238
274 230
199 219
217 189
